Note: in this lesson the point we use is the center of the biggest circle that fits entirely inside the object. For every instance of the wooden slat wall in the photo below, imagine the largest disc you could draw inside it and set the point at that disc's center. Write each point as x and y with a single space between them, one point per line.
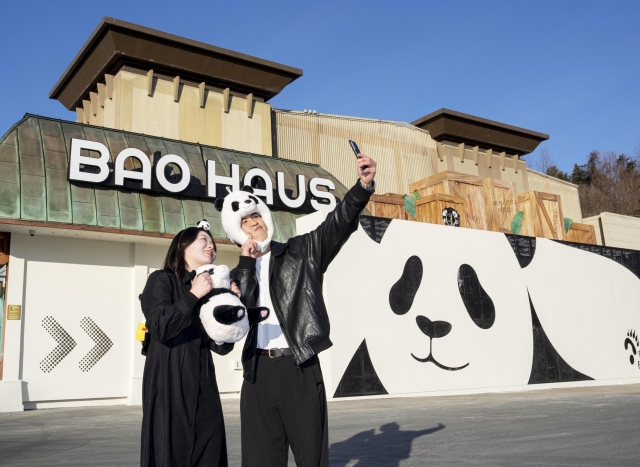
501 204
488 204
542 215
429 208
404 153
389 205
582 233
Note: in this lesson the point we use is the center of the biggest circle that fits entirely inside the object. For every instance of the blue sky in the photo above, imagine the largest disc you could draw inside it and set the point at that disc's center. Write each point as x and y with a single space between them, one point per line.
570 69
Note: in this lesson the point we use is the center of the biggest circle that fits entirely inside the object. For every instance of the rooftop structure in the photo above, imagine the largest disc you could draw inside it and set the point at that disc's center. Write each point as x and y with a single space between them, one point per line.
116 43
458 127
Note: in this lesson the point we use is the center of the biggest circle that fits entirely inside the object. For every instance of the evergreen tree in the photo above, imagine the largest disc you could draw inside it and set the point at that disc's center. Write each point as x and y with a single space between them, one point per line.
554 171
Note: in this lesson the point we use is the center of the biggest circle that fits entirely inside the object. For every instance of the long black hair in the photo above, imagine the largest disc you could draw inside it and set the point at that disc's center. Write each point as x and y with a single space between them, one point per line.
174 261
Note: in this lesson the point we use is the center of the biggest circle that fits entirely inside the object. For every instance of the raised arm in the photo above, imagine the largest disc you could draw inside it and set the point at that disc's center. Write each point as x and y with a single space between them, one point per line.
324 243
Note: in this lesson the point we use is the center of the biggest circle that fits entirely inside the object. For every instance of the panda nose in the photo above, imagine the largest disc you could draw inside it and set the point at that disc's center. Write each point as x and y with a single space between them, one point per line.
247 201
433 329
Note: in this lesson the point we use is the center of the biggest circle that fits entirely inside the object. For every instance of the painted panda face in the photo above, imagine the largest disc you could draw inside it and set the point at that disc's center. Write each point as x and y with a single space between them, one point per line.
437 311
450 217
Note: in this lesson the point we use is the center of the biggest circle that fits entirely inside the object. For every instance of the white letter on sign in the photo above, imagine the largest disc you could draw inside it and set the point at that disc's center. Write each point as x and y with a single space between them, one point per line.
314 183
76 159
213 179
184 168
122 173
267 191
290 203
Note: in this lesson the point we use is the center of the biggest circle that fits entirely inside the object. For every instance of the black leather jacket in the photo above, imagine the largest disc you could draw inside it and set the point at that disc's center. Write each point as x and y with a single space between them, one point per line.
296 270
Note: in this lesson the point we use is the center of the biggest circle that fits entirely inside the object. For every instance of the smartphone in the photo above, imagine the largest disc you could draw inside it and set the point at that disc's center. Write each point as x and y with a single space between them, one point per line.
355 148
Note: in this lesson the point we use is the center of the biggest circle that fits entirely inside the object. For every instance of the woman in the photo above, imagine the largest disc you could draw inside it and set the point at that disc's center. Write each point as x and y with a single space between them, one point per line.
182 422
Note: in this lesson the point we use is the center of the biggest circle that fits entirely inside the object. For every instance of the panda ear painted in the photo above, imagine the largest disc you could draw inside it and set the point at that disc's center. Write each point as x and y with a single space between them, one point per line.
247 188
218 203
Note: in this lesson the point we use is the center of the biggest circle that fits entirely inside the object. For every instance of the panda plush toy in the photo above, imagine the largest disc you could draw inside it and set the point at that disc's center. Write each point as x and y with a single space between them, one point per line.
224 317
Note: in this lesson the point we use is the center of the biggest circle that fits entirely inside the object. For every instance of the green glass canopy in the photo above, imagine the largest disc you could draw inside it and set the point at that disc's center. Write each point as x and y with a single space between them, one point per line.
34 157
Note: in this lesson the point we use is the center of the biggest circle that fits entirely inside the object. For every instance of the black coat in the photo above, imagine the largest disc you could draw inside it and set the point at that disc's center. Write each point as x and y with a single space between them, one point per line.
296 270
182 423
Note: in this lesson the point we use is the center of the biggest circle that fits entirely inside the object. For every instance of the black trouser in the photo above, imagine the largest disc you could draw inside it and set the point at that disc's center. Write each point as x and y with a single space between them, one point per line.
286 406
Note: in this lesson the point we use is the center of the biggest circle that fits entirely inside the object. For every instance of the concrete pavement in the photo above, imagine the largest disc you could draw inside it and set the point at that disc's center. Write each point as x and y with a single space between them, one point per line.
593 426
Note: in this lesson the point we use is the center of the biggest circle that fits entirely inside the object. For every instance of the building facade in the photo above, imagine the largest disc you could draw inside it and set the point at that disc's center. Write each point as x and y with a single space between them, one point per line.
163 126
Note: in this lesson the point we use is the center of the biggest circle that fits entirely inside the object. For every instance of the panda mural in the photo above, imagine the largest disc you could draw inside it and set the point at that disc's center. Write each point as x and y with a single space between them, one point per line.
441 308
587 305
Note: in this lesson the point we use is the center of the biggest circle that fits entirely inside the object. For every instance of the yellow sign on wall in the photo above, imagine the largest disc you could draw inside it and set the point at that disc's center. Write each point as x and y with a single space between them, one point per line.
14 312
140 332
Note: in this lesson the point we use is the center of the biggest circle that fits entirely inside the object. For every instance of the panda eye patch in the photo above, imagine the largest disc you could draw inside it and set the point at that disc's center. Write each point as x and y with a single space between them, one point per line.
404 291
477 302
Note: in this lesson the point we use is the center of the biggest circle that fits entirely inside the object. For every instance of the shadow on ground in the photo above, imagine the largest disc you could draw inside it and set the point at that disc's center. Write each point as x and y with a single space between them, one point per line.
387 448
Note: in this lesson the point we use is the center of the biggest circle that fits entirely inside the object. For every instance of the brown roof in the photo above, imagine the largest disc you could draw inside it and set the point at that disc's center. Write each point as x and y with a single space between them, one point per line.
116 43
445 124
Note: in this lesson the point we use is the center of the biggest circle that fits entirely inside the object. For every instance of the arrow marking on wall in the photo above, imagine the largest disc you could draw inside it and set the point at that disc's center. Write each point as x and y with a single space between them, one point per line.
65 344
103 344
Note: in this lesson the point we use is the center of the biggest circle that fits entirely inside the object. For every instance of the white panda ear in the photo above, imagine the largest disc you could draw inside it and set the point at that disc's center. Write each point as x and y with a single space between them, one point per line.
247 188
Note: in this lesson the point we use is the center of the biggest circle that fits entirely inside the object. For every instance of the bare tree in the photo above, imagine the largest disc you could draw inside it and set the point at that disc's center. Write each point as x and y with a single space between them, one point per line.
609 183
542 160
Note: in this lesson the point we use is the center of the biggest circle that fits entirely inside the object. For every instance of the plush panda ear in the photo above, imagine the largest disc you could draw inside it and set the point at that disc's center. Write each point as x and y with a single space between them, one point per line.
218 203
247 188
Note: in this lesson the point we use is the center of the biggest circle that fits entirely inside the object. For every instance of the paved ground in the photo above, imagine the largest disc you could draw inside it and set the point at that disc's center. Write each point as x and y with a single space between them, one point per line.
568 427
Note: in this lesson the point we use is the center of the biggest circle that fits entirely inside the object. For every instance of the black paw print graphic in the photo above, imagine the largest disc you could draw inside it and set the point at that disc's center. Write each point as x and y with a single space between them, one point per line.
631 343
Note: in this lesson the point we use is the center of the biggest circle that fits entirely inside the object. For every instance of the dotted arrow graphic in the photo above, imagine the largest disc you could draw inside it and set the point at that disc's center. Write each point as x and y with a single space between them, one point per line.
65 344
103 344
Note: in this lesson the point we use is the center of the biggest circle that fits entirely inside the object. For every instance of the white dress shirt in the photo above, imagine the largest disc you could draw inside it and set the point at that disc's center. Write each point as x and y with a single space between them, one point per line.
270 334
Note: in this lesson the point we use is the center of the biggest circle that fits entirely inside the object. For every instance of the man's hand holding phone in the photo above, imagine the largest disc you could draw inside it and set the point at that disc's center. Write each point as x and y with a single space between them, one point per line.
366 169
366 165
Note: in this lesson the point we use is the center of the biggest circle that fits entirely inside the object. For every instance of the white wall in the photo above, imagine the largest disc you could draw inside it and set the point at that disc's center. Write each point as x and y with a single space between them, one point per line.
619 231
587 304
71 287
69 282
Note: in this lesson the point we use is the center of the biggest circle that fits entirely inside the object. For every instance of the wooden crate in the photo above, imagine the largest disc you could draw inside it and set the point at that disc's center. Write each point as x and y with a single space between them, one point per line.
389 205
582 233
468 188
542 215
429 208
501 204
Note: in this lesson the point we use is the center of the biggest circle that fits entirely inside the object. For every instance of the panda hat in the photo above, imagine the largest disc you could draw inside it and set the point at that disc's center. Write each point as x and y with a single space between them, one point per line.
238 205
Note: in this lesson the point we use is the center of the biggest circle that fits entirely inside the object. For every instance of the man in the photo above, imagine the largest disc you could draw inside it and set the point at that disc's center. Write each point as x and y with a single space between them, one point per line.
283 400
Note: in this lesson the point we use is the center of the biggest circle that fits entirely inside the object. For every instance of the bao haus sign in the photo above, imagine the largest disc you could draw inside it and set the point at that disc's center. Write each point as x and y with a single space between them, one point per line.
156 178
